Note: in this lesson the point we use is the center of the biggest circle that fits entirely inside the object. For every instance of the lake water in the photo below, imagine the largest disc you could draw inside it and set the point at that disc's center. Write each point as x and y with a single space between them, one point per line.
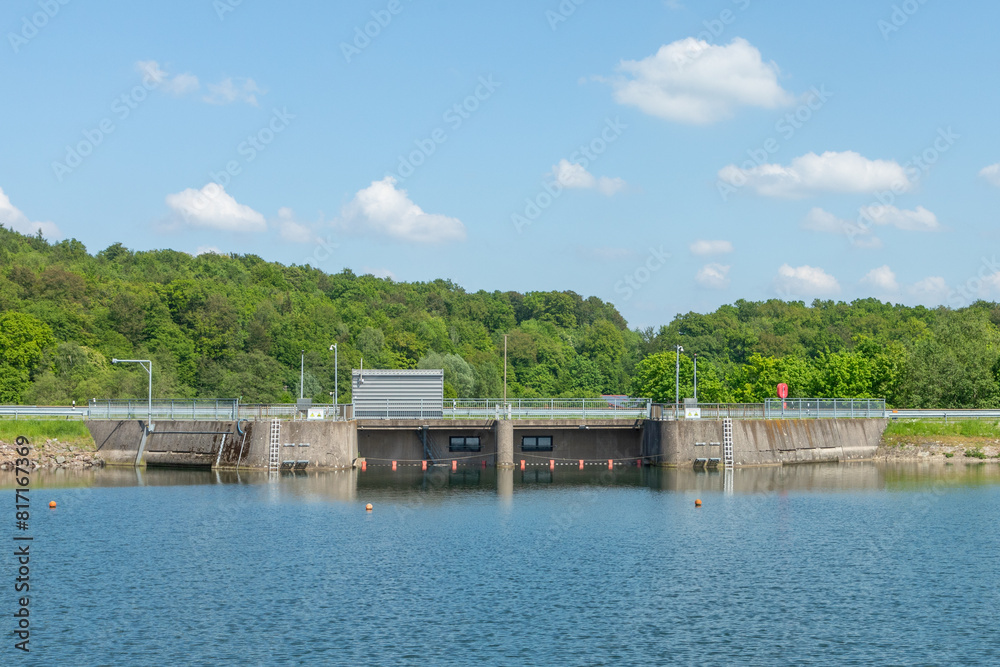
849 564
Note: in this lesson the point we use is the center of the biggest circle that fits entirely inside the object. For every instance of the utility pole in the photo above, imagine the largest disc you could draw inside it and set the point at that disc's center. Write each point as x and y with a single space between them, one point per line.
505 369
677 382
696 378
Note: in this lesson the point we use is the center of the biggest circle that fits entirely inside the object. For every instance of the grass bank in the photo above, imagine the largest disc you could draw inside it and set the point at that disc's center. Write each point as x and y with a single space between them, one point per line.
924 428
72 431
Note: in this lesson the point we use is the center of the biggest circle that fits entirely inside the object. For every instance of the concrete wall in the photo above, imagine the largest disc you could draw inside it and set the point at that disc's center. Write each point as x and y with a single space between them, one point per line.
764 441
336 445
599 441
324 444
380 442
117 441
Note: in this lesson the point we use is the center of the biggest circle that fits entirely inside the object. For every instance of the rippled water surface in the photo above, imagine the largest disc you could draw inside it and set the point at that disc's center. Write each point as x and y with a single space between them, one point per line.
829 564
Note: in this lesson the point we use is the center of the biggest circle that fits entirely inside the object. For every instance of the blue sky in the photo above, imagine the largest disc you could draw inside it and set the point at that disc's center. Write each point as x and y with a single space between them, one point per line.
665 156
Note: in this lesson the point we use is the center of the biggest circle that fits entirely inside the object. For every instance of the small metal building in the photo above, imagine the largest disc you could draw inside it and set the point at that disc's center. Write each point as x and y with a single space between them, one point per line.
398 394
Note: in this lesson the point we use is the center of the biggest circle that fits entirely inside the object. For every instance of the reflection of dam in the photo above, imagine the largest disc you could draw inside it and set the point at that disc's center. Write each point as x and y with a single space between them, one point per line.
475 443
440 482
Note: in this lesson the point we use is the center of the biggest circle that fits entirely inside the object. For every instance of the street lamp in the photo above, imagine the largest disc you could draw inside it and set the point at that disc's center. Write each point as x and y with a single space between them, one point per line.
677 379
148 369
336 376
696 378
302 376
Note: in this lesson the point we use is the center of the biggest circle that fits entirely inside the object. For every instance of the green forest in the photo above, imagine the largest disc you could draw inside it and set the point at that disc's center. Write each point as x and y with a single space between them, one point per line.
227 326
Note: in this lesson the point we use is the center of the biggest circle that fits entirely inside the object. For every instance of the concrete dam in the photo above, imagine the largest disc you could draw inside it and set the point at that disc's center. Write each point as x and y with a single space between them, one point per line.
265 444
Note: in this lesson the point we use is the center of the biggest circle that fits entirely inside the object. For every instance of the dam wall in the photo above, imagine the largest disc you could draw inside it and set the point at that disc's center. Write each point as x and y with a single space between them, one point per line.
338 445
225 444
762 442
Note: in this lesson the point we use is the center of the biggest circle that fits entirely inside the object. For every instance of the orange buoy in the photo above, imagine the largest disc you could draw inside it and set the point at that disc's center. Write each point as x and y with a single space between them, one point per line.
522 464
369 507
364 466
611 464
581 464
52 504
454 465
697 502
394 465
552 464
423 465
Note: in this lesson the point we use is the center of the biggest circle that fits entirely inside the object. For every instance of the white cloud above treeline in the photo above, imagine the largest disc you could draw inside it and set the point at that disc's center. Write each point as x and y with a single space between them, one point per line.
386 211
692 81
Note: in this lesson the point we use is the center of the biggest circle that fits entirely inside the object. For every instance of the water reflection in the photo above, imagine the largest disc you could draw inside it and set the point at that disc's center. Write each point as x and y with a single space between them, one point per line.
346 485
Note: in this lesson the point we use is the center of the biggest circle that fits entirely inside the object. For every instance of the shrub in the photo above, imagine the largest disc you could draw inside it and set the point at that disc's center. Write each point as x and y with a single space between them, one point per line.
975 453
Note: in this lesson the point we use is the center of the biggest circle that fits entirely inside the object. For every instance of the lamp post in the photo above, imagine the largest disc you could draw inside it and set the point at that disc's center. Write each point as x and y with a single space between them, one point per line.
148 369
696 378
677 381
336 376
302 376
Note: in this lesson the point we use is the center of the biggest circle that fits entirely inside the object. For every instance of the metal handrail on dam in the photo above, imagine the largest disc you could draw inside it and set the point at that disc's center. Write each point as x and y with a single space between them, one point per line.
480 409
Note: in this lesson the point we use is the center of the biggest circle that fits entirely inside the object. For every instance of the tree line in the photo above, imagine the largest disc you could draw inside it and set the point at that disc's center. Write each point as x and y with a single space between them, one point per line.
224 326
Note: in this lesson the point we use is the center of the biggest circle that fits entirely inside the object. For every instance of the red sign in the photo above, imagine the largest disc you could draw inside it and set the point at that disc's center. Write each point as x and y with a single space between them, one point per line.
782 390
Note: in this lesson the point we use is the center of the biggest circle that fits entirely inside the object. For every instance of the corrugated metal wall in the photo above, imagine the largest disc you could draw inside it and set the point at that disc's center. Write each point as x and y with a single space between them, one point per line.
398 394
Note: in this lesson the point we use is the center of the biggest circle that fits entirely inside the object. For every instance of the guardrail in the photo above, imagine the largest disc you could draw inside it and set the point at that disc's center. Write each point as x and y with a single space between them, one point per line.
550 408
525 408
824 408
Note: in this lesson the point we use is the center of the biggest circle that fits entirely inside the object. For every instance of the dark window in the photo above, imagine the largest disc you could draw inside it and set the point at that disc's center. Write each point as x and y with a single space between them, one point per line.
459 443
536 443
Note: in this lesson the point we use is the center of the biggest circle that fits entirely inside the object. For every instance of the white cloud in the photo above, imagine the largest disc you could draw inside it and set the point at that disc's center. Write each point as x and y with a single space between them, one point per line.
213 208
227 91
13 218
991 174
572 176
846 172
931 291
881 279
917 220
291 230
692 81
231 90
701 247
384 210
805 280
181 84
207 250
818 220
713 276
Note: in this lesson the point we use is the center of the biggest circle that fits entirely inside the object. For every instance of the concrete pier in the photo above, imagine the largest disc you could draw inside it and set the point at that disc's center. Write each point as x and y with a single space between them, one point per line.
505 443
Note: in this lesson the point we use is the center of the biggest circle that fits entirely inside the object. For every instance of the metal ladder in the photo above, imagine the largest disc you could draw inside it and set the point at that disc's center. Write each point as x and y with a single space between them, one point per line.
274 463
727 442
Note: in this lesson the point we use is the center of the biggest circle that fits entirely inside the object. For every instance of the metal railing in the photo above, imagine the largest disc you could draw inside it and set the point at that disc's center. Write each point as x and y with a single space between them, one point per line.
468 408
195 408
524 408
824 408
713 411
